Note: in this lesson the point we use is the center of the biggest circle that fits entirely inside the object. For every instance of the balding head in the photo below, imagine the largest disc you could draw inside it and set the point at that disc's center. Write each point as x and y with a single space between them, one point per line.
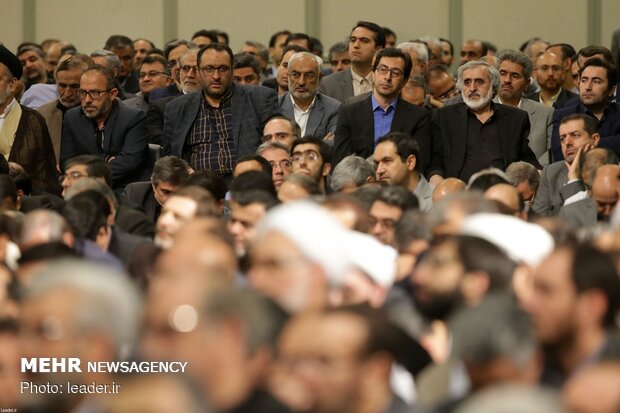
446 187
507 195
604 189
595 389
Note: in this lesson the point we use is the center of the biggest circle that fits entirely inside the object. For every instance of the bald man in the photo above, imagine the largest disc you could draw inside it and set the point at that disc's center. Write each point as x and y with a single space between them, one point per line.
602 201
509 197
447 187
595 389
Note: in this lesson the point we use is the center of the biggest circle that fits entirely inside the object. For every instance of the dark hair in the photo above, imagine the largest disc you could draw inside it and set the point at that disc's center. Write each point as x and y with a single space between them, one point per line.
568 51
489 46
205 201
105 72
218 48
437 70
30 47
21 179
7 188
224 35
593 50
406 145
376 29
241 60
295 47
144 40
46 251
170 169
397 196
297 36
393 52
210 34
95 166
264 163
324 149
388 32
246 197
274 37
86 213
486 180
254 180
612 74
118 41
590 124
209 180
316 46
477 254
412 226
593 269
155 58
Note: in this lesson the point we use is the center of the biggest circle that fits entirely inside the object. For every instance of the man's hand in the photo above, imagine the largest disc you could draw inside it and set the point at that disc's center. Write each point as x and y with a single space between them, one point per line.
574 169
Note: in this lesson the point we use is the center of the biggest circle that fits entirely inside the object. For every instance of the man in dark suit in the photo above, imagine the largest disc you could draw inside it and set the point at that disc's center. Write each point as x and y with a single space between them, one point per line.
102 126
578 133
24 138
169 173
596 87
363 121
211 129
366 39
479 133
316 114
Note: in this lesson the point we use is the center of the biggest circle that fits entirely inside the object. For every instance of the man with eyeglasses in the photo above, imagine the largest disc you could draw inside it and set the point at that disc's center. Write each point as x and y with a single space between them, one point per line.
282 130
363 121
212 129
549 73
278 156
315 113
365 40
24 138
153 73
67 75
311 156
102 126
172 52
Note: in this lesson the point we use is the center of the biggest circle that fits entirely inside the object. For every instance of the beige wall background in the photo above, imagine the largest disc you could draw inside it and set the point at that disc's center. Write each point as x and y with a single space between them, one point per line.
87 24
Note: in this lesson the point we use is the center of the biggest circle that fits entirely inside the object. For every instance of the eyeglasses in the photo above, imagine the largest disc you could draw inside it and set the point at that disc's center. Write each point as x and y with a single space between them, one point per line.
94 94
209 70
278 136
172 63
152 73
72 176
309 155
295 76
383 70
283 164
188 68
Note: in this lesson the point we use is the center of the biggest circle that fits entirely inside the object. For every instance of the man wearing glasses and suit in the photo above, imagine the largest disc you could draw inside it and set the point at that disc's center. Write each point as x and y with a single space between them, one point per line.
102 126
212 129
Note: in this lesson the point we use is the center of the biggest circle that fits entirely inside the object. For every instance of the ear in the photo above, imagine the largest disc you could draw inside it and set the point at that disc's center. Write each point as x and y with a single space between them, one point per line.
596 137
320 76
113 92
14 85
411 162
592 306
528 81
327 168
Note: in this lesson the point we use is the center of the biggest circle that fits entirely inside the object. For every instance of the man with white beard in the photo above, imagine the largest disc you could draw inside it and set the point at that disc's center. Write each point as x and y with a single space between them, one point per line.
479 133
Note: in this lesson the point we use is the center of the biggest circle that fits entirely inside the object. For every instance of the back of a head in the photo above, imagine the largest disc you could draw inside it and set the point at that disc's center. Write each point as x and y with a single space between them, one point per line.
205 202
86 213
210 181
254 180
398 196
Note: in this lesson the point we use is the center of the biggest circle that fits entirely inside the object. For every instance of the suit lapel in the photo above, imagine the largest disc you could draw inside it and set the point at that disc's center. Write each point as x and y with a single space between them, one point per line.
315 117
458 137
504 131
401 114
287 106
238 105
346 86
187 116
109 127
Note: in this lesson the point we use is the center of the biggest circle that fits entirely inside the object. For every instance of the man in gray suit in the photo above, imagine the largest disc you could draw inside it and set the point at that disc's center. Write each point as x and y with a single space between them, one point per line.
396 159
316 114
561 179
212 129
365 40
515 69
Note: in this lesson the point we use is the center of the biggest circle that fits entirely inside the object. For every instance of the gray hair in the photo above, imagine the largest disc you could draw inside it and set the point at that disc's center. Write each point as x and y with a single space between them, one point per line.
271 145
94 184
192 50
487 171
518 58
420 49
108 301
513 398
300 55
351 170
492 72
468 203
42 225
520 171
495 329
263 53
110 57
338 48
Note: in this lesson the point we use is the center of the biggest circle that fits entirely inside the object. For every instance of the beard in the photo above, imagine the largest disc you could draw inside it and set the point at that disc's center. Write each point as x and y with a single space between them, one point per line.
5 94
476 104
440 306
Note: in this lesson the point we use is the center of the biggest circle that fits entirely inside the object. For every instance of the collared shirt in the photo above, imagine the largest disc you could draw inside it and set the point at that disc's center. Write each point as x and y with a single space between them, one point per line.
383 118
483 149
7 110
301 116
551 100
499 100
210 145
361 84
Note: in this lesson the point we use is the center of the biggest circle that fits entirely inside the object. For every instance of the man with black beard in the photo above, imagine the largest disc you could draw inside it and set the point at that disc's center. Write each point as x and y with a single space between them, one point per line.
479 133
